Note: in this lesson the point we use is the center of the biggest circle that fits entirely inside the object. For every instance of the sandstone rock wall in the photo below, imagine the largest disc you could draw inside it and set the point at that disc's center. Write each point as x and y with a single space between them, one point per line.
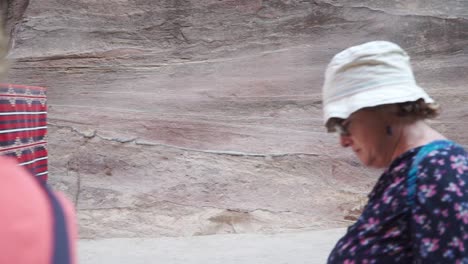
191 117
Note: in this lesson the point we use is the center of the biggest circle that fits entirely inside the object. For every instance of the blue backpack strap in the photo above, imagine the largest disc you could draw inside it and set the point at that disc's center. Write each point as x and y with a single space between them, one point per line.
413 173
61 245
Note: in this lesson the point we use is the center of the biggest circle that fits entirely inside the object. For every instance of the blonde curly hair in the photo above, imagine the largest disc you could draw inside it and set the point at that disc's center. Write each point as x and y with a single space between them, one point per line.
413 110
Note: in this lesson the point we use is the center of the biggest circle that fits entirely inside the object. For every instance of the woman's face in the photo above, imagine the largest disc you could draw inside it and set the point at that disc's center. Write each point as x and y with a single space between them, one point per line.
367 136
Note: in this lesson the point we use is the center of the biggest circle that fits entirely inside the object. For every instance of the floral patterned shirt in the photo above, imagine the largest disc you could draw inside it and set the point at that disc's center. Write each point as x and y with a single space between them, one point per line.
434 229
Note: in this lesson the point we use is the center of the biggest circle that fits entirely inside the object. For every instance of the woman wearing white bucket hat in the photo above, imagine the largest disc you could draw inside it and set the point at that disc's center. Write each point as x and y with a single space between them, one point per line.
418 210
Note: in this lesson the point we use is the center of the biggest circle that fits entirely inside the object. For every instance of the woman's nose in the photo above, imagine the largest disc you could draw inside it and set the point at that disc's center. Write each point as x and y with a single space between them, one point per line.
345 141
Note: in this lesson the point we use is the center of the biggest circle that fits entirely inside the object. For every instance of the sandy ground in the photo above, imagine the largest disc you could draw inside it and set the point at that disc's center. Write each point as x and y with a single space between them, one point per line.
292 248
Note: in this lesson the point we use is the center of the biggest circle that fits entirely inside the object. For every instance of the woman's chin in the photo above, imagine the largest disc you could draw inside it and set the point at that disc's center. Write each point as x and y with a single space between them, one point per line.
371 162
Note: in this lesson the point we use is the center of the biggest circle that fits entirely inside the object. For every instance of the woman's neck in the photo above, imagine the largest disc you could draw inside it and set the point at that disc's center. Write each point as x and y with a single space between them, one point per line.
414 135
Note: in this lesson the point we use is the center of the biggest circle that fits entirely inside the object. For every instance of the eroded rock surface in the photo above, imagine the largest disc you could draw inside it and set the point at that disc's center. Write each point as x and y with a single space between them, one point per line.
191 117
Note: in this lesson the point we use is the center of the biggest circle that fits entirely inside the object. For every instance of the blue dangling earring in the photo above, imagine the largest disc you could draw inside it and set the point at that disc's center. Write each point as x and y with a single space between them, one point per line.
389 130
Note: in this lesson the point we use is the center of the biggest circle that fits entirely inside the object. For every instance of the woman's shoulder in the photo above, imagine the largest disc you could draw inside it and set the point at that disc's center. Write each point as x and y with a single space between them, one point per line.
444 165
442 153
443 146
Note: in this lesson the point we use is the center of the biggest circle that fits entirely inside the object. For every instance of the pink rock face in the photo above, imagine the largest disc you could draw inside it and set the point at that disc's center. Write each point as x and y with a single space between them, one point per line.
192 117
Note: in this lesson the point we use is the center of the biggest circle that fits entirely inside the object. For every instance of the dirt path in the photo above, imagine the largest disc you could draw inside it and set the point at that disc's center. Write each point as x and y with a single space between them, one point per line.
292 248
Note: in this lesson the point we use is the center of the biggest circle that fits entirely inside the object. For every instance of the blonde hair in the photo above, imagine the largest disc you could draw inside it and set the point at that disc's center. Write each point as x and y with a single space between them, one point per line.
413 110
419 109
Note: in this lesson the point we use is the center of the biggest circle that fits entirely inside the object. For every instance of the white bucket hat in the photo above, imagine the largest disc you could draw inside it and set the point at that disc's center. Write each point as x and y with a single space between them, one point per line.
371 74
